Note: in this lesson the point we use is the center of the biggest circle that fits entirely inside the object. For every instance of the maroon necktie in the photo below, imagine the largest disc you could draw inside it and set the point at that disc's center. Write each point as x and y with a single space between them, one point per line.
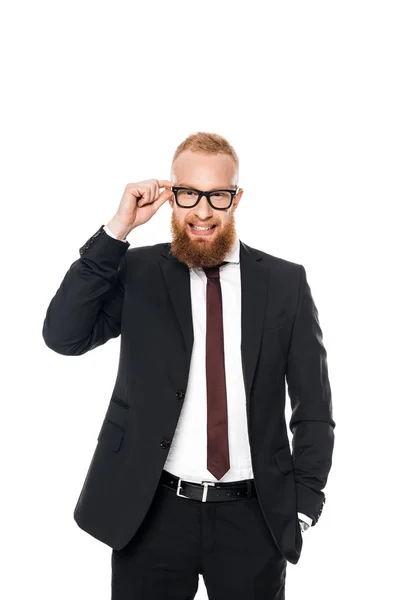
217 410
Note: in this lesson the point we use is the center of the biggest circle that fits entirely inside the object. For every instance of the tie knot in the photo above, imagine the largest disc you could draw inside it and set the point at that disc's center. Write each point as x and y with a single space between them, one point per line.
213 272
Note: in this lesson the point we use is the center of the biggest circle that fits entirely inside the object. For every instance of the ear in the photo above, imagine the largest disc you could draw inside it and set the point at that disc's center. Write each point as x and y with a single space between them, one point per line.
237 198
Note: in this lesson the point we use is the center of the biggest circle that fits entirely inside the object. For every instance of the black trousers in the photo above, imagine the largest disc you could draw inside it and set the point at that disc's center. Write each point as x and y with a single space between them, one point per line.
227 542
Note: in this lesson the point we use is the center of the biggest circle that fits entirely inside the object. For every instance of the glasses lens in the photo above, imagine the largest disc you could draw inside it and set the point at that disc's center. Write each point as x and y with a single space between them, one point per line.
187 197
220 199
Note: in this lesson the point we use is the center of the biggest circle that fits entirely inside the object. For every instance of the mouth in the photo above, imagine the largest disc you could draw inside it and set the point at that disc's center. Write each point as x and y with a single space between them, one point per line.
203 231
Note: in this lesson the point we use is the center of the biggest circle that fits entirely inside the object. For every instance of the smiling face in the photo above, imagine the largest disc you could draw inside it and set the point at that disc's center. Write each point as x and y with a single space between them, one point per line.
203 172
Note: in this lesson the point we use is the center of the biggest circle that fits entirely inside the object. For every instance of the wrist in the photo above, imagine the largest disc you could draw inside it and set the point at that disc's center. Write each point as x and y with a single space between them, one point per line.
118 229
303 525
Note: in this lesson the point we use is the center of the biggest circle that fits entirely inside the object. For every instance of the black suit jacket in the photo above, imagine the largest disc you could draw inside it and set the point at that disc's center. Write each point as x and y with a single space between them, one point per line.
144 294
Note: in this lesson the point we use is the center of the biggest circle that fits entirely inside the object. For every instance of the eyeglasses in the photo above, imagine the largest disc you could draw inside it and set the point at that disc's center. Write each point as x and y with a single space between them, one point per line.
218 199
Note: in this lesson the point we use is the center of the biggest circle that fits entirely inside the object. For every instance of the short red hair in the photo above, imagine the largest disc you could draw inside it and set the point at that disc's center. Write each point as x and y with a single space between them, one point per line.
208 143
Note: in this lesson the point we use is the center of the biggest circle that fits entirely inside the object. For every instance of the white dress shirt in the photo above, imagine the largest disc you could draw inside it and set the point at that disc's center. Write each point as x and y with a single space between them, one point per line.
187 457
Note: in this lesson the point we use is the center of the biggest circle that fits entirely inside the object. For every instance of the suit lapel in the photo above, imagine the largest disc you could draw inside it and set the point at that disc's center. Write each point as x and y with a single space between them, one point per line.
177 280
254 285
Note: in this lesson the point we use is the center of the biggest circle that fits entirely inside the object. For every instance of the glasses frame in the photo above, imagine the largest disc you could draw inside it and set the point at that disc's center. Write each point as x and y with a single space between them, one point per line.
201 193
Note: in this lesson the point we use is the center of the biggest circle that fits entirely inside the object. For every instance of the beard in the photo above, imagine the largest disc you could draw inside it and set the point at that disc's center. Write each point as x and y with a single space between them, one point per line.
202 251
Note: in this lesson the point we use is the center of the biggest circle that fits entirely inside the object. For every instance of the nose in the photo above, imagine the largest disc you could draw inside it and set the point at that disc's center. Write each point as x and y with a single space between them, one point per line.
203 210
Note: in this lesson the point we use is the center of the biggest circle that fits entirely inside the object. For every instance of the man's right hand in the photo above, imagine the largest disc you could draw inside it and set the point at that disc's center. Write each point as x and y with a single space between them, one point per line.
138 204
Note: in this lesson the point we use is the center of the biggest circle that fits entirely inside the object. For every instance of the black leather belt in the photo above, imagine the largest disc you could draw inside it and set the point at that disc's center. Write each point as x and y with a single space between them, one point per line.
209 491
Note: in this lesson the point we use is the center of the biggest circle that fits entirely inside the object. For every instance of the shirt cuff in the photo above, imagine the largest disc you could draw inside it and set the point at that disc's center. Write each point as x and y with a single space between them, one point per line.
107 230
304 518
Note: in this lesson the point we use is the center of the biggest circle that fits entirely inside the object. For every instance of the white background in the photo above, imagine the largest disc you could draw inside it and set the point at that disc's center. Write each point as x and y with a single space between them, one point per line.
96 95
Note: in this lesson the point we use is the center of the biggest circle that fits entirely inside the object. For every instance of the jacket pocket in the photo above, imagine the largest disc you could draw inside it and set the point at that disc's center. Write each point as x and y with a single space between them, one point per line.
283 458
120 402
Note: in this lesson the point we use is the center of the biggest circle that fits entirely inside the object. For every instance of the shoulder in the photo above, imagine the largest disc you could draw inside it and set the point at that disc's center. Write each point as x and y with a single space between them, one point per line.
142 260
147 253
275 263
283 274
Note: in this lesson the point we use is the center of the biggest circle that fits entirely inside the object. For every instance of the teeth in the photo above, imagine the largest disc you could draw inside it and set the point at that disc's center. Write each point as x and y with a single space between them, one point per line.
201 228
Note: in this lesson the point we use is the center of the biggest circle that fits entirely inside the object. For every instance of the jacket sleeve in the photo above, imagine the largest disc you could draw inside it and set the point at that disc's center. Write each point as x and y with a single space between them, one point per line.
311 422
86 310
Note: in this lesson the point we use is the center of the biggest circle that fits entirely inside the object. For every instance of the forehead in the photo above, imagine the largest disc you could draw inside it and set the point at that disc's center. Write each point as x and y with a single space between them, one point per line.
204 170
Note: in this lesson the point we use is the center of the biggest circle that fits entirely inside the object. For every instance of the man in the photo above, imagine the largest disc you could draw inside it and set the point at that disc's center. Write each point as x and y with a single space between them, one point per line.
193 471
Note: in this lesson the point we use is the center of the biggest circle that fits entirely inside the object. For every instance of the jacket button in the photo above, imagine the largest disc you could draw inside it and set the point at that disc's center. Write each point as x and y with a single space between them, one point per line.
165 443
180 394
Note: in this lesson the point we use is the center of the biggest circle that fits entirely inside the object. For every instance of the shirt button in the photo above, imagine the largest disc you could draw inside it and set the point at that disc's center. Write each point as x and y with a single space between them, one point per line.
180 394
165 443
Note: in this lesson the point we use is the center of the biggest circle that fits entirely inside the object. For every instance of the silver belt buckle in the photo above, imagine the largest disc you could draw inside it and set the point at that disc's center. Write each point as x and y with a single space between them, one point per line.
178 489
205 491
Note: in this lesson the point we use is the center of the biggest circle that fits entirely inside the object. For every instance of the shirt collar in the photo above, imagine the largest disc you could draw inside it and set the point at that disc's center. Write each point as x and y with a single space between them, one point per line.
234 255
